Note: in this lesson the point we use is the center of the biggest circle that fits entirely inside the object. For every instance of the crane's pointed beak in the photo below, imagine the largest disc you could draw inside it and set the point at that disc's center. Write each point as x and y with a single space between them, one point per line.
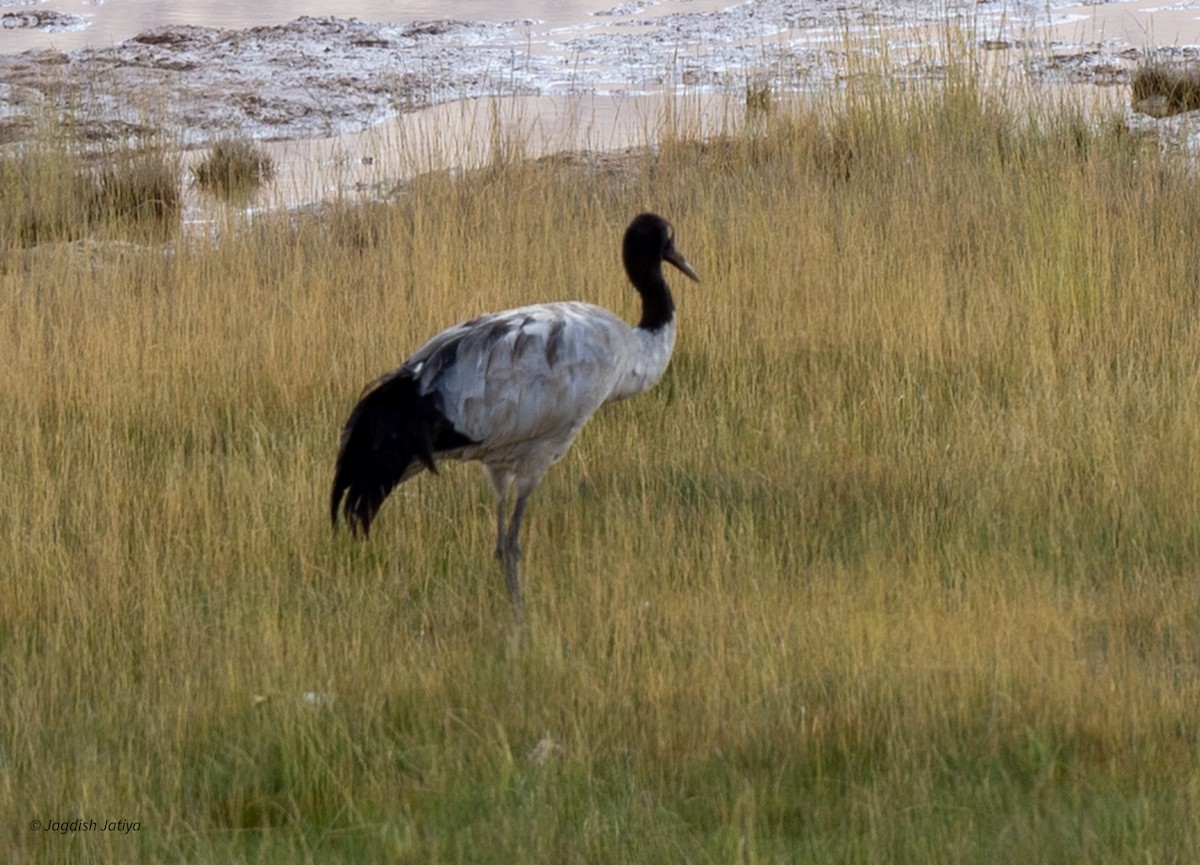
672 255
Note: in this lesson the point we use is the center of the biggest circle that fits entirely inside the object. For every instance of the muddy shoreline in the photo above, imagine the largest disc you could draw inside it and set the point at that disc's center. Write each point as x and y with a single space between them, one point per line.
321 77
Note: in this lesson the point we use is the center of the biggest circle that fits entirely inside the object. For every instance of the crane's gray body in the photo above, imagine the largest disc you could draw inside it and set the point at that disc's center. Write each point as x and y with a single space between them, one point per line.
520 384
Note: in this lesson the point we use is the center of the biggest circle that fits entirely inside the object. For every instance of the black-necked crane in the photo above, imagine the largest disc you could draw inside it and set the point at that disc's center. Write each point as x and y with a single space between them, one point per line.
511 390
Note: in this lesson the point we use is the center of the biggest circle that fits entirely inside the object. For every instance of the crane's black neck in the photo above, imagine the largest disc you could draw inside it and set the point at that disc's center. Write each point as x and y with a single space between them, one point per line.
646 246
658 307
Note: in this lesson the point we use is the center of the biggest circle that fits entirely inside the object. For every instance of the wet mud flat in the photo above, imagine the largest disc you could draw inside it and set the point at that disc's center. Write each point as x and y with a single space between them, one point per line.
315 77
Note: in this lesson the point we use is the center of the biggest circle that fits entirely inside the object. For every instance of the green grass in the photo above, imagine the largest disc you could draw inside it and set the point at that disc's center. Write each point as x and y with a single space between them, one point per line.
897 564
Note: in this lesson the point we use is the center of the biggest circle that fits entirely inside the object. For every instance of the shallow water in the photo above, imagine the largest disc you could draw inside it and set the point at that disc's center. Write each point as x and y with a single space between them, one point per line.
464 135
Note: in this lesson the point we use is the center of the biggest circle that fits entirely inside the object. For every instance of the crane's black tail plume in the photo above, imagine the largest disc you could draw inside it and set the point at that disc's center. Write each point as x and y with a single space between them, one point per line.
392 426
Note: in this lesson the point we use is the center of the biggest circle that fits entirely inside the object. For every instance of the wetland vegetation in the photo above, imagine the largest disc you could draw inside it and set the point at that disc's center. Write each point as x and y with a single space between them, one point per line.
898 563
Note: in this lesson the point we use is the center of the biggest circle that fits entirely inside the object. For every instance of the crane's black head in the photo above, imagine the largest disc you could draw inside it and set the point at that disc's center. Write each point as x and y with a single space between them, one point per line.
649 241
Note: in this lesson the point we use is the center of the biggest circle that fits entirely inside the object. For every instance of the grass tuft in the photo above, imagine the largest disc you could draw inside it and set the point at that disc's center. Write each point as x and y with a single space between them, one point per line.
137 191
234 166
1161 89
54 190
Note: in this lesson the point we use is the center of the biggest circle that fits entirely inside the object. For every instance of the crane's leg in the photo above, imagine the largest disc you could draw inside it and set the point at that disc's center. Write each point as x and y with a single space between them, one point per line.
511 555
508 549
501 483
500 530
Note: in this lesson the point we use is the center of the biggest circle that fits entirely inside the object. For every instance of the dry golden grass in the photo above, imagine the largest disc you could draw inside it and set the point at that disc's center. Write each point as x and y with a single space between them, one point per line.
897 564
56 188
